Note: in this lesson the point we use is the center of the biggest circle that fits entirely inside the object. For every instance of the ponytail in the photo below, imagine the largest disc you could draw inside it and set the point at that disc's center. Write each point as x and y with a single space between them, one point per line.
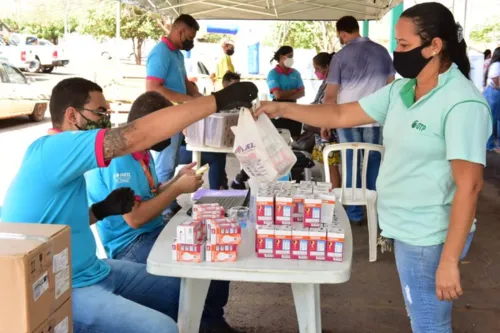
323 59
284 50
457 51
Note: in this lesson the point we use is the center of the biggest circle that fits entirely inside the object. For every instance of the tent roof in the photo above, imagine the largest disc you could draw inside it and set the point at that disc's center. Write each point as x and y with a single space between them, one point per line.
289 10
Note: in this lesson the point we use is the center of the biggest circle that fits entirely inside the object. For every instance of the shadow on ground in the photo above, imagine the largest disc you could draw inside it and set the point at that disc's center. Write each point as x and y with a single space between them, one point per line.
371 302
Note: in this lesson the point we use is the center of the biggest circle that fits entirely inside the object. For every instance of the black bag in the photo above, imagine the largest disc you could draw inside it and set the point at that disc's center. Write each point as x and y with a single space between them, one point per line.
305 142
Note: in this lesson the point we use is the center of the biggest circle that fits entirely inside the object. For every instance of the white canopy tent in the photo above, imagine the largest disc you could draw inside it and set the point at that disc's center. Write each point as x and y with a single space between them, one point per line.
290 10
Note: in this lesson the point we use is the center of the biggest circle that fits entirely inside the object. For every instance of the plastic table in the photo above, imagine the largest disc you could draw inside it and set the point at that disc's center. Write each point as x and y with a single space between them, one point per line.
304 276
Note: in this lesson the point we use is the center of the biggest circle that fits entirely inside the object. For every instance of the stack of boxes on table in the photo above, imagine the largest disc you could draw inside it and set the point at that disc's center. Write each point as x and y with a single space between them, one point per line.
296 221
35 278
208 236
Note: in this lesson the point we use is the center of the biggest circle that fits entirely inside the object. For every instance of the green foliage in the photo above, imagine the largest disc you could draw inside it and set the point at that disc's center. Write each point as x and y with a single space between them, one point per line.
487 33
46 30
303 34
214 38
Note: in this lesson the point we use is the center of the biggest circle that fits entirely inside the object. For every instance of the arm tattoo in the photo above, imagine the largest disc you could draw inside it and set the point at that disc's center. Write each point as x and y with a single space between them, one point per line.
117 140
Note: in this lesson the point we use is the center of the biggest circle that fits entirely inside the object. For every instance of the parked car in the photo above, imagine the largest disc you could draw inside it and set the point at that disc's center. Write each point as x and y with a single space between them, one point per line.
19 56
18 97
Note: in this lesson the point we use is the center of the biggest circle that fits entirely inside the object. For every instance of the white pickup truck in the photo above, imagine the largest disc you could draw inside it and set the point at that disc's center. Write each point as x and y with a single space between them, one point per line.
19 56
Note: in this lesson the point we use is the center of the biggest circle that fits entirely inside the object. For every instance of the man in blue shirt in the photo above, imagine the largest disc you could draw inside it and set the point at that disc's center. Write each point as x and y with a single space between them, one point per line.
111 295
166 74
132 236
359 69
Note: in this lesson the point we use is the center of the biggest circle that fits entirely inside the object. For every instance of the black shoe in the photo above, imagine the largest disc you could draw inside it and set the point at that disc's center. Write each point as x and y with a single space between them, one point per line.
220 327
238 186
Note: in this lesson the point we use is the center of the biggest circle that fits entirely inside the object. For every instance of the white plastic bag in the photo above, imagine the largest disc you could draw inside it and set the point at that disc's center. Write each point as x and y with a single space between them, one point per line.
261 150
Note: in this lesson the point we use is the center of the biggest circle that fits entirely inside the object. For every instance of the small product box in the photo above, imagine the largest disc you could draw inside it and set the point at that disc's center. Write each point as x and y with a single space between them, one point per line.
188 252
335 243
284 209
283 242
300 242
221 253
298 207
265 208
317 243
265 241
324 185
312 211
327 208
188 232
223 232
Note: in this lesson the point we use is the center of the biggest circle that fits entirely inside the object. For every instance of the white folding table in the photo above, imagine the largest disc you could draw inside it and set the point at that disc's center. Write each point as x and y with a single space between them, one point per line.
304 276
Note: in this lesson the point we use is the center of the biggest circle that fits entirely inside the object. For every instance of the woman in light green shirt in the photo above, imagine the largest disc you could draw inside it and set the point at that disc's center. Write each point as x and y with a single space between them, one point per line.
436 124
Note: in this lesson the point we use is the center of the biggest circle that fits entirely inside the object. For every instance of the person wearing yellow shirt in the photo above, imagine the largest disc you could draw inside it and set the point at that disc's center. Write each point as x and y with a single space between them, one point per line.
225 63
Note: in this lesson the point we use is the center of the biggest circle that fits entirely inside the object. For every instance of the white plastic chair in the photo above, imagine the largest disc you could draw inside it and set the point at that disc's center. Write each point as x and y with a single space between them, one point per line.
353 196
101 253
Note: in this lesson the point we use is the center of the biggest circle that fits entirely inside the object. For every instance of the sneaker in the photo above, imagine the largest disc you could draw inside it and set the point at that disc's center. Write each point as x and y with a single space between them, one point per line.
238 186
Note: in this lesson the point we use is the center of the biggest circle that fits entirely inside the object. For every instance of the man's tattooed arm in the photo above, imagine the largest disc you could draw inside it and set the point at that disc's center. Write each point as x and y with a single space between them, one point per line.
118 141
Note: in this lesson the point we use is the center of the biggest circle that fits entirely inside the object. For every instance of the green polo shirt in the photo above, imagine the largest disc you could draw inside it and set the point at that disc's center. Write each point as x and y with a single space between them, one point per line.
415 184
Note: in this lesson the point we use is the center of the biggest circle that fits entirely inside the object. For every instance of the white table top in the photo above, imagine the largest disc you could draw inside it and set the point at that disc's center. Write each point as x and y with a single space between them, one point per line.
207 149
248 267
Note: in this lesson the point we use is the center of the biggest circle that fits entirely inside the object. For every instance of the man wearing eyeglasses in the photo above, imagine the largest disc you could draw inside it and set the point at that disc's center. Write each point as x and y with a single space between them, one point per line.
110 295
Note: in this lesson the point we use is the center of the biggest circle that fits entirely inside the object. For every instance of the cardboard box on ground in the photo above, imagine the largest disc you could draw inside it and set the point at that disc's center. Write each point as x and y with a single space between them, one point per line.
35 278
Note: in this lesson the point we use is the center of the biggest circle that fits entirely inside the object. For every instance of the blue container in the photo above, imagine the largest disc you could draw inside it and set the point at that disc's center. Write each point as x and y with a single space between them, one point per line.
253 58
220 29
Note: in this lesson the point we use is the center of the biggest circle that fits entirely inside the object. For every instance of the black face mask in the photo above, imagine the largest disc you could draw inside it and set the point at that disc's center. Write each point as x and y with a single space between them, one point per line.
187 45
230 52
409 64
161 145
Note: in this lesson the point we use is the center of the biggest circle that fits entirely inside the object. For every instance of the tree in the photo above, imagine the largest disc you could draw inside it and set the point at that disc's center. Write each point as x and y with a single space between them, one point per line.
51 31
486 33
136 24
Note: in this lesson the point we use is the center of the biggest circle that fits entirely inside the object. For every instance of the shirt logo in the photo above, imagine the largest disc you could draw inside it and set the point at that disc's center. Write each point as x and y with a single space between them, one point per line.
122 177
418 126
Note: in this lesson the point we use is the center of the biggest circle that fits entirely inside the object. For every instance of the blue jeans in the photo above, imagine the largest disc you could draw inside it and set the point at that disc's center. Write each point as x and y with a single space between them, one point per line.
217 162
218 293
166 161
367 135
417 266
492 95
128 300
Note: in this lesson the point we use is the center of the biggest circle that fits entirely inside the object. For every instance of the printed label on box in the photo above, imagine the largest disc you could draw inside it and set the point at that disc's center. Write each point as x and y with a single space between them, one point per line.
300 243
265 242
62 282
40 286
327 208
62 327
312 212
317 244
265 210
298 208
284 210
335 244
60 261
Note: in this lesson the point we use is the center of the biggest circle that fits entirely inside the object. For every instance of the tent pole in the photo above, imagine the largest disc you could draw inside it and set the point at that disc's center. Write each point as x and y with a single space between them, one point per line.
366 28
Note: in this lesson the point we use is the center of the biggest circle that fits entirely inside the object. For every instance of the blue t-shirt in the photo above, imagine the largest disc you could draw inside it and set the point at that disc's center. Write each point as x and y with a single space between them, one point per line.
49 188
165 63
279 79
125 171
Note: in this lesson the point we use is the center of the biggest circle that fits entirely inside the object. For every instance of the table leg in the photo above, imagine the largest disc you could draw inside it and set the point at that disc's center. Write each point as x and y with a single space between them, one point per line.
191 303
196 158
308 307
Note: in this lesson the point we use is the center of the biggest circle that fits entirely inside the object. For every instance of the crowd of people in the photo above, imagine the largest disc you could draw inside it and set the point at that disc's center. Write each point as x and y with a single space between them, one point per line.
428 185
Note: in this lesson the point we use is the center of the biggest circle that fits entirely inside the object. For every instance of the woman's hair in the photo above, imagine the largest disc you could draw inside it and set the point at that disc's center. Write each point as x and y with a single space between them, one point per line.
434 20
284 50
487 53
494 58
323 59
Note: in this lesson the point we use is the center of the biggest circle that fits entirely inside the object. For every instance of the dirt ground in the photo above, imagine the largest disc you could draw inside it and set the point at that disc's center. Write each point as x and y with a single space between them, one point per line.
371 302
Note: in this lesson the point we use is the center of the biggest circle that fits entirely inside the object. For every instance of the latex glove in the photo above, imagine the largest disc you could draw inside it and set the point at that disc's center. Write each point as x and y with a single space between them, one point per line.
448 281
118 202
237 95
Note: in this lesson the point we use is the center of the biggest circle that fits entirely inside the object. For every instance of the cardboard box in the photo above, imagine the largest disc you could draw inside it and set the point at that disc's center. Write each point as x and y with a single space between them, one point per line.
188 252
188 232
284 209
265 241
35 278
223 231
298 207
221 253
312 211
335 243
60 321
265 209
300 243
317 244
283 242
327 208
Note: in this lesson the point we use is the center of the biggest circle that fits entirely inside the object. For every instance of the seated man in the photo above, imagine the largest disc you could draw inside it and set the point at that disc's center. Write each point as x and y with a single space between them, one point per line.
217 176
49 188
131 237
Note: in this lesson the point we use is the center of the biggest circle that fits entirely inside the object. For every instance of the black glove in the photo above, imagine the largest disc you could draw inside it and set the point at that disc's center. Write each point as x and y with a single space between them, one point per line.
236 95
118 202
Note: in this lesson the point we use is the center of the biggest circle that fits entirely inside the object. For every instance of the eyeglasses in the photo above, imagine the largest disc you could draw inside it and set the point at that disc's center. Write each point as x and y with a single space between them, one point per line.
103 112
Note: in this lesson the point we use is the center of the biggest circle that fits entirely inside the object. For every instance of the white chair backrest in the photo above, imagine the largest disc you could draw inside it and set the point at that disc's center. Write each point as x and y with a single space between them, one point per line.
356 147
101 252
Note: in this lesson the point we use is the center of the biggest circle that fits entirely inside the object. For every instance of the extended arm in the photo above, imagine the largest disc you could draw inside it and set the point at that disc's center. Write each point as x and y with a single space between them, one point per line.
172 96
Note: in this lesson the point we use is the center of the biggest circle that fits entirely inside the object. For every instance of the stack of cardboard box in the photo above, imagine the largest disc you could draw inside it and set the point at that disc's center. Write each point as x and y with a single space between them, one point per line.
35 278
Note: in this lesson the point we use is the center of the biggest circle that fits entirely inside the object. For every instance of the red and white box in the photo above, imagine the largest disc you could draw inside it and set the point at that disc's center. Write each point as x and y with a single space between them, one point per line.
223 232
324 185
300 243
203 207
283 209
312 211
265 209
188 252
283 242
264 241
221 252
327 208
317 243
335 243
298 207
188 232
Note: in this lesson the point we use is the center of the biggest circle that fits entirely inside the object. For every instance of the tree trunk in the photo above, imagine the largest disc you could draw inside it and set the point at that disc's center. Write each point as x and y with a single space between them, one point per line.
138 51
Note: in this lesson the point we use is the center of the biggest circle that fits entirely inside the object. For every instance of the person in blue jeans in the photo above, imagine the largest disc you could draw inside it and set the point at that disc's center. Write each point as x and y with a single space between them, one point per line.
492 95
431 177
131 236
360 68
49 188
